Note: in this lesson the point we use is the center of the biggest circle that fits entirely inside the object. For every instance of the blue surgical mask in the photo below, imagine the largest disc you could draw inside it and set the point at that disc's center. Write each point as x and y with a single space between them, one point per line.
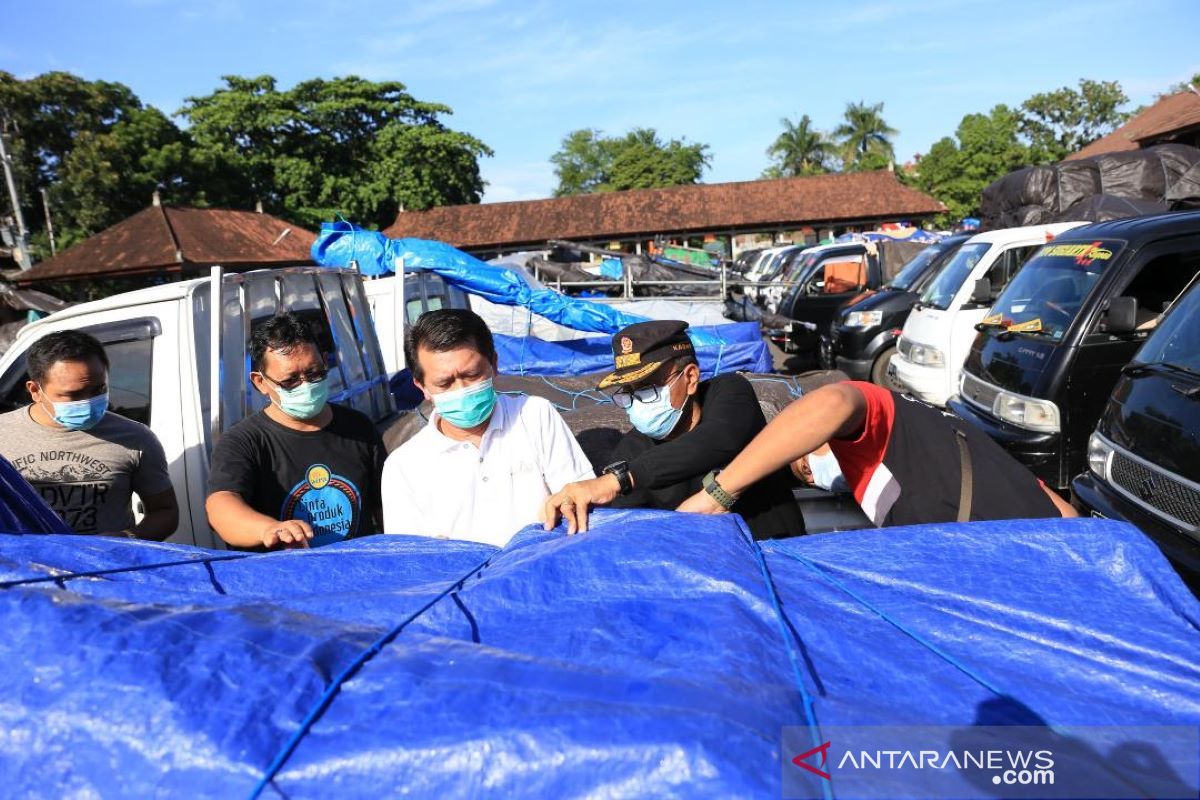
657 418
305 401
826 472
468 407
81 415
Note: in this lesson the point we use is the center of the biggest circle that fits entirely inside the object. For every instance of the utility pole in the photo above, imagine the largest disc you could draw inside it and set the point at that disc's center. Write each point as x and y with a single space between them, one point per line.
49 224
21 250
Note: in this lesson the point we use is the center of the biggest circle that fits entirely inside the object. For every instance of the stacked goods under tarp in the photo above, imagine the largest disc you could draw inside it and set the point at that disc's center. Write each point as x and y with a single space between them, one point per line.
16 306
721 348
658 655
1156 179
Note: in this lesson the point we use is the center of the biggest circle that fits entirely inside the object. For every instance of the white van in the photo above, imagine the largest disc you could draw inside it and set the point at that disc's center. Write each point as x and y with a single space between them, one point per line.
160 345
941 328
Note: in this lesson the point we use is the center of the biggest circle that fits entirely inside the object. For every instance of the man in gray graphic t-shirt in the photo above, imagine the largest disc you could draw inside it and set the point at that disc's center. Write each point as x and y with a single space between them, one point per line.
85 461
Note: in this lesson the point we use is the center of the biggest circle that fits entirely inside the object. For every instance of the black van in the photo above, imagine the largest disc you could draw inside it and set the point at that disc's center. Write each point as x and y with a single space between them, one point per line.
862 338
1045 361
816 296
1144 458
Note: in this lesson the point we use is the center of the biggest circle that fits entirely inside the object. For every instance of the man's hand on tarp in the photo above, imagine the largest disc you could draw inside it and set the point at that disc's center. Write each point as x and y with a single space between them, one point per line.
289 534
572 501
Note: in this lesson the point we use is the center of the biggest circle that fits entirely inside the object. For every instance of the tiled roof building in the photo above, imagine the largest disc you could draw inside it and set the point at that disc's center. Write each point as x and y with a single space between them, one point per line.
849 199
165 240
1174 118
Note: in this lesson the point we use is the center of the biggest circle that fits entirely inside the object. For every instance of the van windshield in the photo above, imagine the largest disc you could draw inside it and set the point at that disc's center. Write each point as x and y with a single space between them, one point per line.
940 293
909 273
1047 294
1177 340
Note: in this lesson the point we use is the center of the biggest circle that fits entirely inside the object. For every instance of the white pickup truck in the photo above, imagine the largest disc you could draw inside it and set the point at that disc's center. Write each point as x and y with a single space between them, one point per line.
161 343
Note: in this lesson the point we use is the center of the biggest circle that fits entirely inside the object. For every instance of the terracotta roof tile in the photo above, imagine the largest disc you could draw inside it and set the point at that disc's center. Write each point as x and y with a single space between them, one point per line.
167 239
702 208
1174 113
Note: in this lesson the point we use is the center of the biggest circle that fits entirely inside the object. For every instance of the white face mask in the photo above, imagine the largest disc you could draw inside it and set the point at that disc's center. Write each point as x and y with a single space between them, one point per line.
826 473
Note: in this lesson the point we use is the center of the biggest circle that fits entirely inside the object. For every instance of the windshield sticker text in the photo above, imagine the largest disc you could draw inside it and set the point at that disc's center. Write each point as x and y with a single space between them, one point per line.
1084 254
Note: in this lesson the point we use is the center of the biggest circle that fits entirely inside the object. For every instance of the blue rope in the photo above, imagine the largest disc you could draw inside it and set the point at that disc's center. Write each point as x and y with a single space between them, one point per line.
326 698
810 714
116 570
790 383
949 659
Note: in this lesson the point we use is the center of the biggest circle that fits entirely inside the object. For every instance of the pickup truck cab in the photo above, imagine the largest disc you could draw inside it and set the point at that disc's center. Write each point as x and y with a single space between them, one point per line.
770 264
1143 461
825 277
1044 363
863 335
939 331
185 374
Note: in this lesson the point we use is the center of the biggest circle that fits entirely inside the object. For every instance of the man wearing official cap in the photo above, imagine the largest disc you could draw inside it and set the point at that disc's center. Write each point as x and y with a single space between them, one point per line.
684 429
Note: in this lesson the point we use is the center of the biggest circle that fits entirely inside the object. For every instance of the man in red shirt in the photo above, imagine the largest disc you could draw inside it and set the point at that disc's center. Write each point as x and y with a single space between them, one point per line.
906 462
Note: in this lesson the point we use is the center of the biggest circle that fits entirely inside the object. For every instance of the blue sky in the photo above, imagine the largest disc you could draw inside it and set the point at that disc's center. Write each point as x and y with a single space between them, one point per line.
521 75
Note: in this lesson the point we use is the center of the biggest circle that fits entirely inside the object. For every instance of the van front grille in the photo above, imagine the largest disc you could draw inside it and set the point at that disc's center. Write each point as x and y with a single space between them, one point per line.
1156 489
978 393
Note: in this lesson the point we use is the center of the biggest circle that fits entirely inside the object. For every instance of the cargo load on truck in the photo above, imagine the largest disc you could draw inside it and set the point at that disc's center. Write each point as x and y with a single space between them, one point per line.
658 654
1164 177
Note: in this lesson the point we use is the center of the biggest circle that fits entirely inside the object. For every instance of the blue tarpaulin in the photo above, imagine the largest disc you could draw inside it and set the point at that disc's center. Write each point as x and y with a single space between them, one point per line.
719 348
341 243
21 509
658 655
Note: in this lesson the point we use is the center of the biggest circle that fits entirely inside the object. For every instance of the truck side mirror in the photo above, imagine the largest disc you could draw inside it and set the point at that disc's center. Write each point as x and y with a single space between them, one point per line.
1121 316
983 291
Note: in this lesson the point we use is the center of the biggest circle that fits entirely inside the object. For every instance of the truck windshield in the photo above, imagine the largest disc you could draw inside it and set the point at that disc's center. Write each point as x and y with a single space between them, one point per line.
1177 340
1046 295
940 293
800 266
909 273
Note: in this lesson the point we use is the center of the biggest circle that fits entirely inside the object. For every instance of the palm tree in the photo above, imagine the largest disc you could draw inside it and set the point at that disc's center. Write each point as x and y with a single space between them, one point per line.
799 150
865 131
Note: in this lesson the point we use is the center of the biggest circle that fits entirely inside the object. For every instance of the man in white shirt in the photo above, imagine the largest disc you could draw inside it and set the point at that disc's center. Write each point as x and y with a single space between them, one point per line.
484 465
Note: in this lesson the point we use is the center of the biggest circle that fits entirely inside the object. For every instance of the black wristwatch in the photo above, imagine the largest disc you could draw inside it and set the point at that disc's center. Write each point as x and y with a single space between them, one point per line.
620 471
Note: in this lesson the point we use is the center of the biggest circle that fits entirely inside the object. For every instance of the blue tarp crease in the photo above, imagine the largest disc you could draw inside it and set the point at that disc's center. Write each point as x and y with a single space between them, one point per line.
647 657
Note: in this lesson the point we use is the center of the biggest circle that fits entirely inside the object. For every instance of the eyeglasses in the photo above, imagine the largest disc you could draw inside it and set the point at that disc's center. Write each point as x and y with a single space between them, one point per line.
312 376
646 394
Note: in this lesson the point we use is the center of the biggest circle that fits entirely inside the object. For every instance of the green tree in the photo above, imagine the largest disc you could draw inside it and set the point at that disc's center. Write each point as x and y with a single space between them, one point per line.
587 161
864 132
956 169
108 176
799 150
1060 122
46 119
324 147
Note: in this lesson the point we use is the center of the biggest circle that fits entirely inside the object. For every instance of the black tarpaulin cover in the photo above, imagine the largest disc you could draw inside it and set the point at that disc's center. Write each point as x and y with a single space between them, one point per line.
1166 175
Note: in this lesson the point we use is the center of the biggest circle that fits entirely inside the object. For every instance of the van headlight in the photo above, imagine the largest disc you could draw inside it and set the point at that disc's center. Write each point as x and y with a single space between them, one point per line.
1099 454
864 319
925 355
1027 412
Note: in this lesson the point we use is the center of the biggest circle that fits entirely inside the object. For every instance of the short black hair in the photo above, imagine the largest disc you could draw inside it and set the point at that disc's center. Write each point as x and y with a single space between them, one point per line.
447 329
282 333
62 346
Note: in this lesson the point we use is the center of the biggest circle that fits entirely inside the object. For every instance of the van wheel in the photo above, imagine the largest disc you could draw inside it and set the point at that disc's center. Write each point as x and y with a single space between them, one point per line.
879 372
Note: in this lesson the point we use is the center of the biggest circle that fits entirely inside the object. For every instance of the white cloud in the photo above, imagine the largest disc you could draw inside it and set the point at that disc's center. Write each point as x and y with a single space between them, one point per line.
530 180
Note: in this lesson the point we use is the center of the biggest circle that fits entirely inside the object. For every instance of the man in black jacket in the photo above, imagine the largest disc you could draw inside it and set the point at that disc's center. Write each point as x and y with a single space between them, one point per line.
684 429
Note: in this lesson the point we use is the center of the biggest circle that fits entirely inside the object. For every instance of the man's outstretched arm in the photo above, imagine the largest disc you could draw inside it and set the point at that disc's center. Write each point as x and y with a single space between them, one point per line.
836 411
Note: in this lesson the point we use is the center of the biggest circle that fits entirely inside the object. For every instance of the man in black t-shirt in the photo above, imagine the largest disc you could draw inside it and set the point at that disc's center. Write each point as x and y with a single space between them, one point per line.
906 462
302 472
684 428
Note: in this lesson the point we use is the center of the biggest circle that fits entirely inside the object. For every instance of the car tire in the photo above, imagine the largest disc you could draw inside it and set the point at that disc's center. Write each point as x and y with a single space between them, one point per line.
879 371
